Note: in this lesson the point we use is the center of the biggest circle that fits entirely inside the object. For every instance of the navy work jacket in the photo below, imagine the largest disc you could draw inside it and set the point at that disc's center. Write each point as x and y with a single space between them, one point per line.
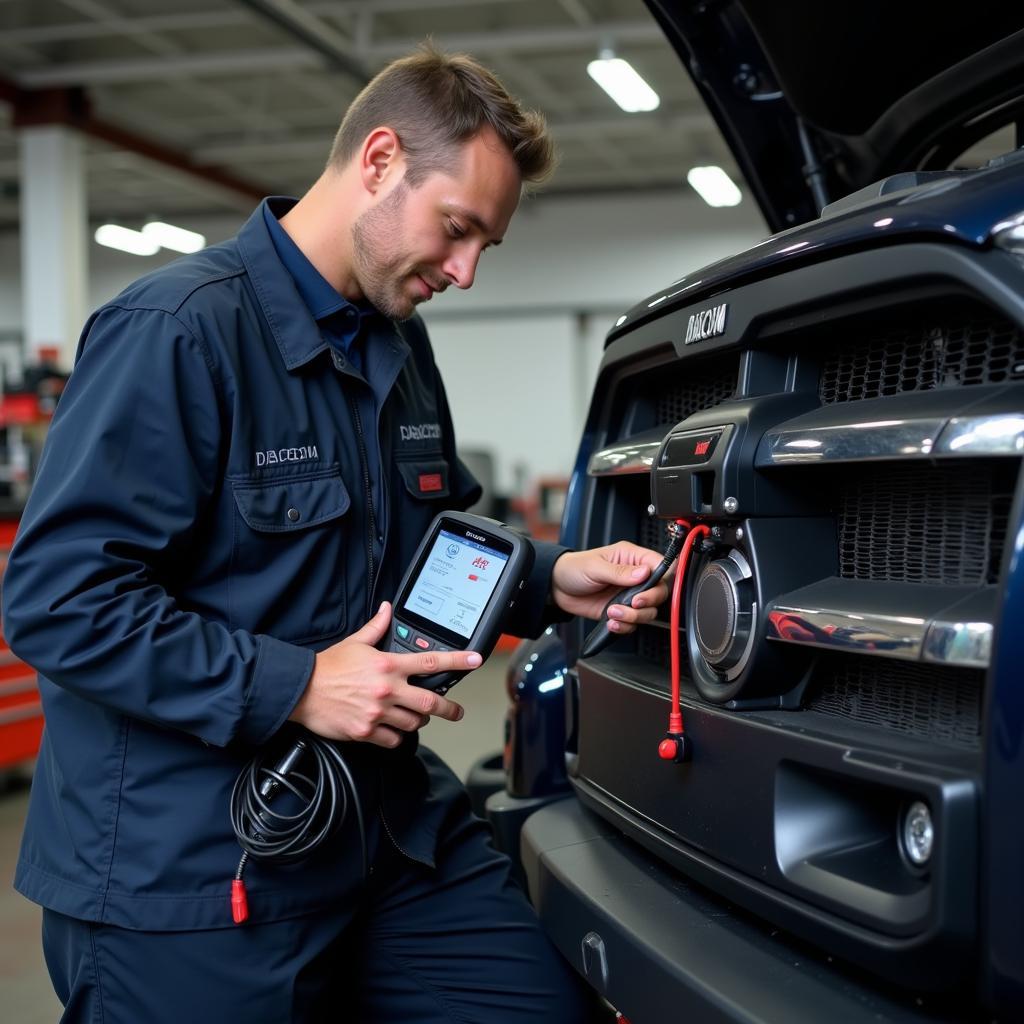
200 525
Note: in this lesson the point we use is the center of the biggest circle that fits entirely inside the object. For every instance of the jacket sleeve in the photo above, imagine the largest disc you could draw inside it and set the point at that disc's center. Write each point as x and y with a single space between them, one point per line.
131 461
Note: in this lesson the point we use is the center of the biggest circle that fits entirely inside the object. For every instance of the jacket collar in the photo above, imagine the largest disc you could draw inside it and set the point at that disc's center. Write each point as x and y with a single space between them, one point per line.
296 332
290 320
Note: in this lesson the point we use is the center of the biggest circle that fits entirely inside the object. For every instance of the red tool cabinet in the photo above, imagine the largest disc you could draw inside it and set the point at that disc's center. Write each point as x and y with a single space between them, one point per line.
21 715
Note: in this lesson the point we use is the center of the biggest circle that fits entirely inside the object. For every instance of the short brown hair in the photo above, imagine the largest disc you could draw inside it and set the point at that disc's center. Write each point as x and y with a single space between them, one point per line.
434 102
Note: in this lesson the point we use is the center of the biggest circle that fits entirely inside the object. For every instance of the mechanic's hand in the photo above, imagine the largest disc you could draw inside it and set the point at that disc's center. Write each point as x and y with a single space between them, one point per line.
583 582
359 693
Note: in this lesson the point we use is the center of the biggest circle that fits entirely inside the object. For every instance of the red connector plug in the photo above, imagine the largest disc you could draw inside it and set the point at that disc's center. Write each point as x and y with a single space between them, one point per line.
239 901
675 747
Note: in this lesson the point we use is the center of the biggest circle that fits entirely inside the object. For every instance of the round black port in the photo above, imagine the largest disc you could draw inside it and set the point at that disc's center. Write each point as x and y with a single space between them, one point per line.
715 613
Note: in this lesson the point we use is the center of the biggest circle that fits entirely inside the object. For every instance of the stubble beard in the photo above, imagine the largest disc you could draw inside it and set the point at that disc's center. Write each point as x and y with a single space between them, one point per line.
377 247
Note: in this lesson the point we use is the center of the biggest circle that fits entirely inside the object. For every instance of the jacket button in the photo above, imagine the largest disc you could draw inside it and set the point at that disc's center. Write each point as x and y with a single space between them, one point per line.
293 514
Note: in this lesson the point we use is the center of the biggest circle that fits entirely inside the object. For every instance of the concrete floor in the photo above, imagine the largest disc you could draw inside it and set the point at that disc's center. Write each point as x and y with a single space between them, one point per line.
25 993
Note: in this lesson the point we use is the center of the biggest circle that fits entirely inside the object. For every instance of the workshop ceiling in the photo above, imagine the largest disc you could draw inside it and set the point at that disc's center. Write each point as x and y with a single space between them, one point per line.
253 89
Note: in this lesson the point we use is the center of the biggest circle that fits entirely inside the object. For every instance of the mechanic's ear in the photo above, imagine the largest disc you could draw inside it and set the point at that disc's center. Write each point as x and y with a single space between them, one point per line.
380 159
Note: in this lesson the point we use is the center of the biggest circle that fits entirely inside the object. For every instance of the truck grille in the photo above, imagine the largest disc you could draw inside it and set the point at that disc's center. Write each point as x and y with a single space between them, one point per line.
941 522
693 389
957 347
653 645
924 523
932 702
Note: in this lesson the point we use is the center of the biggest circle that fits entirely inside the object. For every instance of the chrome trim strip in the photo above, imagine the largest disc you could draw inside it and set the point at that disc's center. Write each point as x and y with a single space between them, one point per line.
630 455
842 630
958 633
895 439
982 435
959 643
852 442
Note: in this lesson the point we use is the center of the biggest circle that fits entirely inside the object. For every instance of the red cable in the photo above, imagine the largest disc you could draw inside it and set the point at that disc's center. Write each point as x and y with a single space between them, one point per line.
675 717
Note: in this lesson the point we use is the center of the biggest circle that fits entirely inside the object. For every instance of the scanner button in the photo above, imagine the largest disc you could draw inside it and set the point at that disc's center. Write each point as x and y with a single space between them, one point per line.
403 632
422 643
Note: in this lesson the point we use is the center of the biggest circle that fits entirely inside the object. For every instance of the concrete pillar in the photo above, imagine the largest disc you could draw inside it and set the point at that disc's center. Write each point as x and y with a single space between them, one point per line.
54 240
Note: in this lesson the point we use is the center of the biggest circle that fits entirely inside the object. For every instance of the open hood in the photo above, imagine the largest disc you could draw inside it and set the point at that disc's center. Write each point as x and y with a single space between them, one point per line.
817 100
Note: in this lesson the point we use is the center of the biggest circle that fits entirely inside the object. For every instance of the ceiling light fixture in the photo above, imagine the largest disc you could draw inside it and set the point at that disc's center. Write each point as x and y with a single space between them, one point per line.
167 236
714 186
113 236
621 81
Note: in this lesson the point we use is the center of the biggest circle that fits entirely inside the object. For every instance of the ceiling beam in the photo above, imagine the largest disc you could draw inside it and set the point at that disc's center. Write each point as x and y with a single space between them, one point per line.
232 62
71 107
145 68
313 33
584 37
665 122
73 32
576 11
225 18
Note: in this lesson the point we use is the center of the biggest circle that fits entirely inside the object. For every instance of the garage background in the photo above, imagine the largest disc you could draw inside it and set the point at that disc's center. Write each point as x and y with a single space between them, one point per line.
189 112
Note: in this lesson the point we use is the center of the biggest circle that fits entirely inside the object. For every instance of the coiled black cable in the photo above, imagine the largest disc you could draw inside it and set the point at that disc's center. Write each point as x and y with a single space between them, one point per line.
321 805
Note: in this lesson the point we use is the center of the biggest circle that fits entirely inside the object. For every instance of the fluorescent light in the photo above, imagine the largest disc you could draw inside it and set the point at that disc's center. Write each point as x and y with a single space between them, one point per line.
714 186
116 237
167 236
620 80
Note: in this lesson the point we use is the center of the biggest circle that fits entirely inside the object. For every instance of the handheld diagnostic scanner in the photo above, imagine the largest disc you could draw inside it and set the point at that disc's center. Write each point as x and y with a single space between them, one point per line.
464 578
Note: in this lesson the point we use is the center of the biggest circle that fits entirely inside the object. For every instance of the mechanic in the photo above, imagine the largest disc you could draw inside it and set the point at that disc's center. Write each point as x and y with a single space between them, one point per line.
250 448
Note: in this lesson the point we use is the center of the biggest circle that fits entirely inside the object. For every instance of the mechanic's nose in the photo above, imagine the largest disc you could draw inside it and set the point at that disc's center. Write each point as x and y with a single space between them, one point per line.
460 269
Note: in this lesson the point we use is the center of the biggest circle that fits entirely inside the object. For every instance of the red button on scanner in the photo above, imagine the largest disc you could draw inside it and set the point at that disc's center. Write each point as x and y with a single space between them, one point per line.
422 644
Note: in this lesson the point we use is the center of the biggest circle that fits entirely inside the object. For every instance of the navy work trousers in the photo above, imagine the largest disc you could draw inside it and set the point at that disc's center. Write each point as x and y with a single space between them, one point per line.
457 943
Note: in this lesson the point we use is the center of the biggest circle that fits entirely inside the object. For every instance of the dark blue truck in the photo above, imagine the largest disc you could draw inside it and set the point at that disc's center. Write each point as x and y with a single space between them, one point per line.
842 406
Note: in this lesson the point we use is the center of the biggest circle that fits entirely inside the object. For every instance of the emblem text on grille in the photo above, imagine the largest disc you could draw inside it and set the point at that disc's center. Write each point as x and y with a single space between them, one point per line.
708 323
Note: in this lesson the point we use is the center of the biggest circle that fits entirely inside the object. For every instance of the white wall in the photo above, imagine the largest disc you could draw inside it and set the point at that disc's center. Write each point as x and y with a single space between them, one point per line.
520 350
537 315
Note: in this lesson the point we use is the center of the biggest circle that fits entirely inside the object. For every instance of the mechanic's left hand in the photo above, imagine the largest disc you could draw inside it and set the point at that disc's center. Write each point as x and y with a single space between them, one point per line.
583 582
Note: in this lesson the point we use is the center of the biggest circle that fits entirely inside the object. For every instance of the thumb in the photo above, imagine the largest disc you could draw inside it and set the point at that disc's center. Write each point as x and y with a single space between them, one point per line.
621 575
374 630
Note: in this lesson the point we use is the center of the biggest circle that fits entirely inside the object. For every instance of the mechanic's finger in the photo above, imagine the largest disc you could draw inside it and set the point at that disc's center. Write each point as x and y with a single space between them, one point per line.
625 615
623 575
639 618
651 598
382 736
425 702
404 719
430 662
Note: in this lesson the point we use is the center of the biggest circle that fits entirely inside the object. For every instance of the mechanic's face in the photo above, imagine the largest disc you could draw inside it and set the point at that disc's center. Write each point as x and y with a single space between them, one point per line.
417 241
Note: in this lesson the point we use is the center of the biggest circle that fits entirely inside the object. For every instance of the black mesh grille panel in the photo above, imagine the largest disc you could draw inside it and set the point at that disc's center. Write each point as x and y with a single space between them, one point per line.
652 644
931 347
932 702
652 533
690 388
941 524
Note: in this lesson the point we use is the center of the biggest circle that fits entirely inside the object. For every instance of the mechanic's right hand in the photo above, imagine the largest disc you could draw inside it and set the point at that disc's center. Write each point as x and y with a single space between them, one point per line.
359 693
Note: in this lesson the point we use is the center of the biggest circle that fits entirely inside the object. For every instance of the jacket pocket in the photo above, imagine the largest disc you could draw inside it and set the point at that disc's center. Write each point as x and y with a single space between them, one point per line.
291 505
290 559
